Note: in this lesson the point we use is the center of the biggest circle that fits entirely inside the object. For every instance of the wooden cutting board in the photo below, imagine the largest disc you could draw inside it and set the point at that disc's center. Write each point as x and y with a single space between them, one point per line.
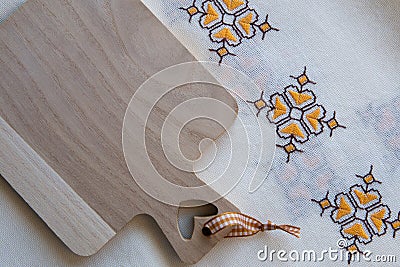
68 69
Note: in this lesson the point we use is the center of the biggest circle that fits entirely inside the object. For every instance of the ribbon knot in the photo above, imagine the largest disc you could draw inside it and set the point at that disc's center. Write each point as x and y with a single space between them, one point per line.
290 229
244 225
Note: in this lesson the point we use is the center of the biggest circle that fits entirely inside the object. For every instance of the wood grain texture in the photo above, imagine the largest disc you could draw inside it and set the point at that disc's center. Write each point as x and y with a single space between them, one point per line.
79 226
68 69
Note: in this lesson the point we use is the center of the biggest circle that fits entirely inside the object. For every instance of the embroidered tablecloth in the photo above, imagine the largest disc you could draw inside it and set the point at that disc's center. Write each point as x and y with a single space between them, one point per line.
328 79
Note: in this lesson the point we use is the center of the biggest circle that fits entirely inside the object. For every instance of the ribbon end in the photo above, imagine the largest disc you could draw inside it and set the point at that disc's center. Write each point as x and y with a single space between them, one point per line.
206 231
244 225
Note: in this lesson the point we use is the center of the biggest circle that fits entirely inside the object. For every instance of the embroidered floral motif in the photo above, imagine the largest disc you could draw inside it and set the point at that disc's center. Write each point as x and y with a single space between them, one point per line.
360 213
296 114
229 22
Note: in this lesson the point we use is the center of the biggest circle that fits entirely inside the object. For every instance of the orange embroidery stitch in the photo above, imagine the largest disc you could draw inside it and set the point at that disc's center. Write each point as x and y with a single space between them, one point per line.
333 124
296 114
303 79
360 213
369 178
290 149
261 104
395 225
228 23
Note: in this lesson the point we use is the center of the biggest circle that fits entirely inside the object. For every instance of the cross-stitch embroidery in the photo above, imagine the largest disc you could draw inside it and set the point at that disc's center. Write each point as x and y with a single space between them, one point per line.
360 213
296 114
228 23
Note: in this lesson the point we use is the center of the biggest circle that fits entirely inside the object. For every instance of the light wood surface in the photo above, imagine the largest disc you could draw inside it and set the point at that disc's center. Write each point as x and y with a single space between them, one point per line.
78 225
68 69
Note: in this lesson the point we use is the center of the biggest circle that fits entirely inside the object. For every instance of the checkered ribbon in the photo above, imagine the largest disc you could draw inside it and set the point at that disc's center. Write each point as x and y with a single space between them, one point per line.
244 225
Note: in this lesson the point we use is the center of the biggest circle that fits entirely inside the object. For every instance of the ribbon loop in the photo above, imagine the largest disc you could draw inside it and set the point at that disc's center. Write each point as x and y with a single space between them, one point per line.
244 225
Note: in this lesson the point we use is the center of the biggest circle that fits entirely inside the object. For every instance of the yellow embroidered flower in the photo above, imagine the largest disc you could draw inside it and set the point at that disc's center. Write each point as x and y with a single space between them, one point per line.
228 23
361 214
364 206
296 114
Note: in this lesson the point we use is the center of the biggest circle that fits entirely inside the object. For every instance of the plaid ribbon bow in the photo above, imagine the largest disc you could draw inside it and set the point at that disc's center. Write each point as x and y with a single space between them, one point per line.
244 225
